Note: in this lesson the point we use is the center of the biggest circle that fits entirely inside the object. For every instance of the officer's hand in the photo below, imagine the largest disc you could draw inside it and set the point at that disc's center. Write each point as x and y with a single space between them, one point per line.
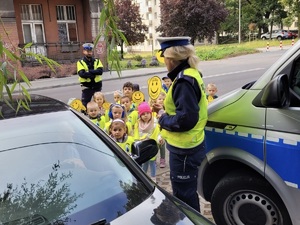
89 75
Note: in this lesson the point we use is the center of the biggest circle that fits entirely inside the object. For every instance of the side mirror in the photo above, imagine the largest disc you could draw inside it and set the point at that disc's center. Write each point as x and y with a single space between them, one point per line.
276 94
142 151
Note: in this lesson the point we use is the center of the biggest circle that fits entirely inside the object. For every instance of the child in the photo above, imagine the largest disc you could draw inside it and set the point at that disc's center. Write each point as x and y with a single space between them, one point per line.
131 113
166 84
117 130
146 128
117 111
162 147
117 96
211 91
94 115
128 89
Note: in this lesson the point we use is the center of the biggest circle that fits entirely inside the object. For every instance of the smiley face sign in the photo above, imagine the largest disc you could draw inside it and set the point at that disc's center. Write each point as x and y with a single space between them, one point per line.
138 97
154 87
106 105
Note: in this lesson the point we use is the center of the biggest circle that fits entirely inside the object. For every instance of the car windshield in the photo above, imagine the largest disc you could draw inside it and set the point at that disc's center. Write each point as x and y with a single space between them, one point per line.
53 168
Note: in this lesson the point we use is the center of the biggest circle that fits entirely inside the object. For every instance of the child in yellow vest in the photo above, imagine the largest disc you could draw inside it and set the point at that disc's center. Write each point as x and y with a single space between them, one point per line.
211 91
117 131
117 111
147 128
99 98
94 115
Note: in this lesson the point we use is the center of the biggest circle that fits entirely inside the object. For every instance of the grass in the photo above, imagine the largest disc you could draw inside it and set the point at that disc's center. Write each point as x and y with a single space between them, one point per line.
210 52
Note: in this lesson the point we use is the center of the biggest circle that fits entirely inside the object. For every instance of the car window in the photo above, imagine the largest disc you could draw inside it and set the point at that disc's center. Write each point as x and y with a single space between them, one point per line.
55 167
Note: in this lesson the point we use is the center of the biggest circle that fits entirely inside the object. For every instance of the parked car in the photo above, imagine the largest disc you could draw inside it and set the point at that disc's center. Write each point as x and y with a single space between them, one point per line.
276 34
292 34
251 170
56 167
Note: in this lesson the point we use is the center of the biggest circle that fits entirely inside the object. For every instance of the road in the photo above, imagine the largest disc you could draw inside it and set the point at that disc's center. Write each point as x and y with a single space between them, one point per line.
227 74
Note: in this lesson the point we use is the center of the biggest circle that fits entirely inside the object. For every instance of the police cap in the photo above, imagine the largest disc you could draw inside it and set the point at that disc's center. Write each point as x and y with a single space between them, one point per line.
88 46
167 42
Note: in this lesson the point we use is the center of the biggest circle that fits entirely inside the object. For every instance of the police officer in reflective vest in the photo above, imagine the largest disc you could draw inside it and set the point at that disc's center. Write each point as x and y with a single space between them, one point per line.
89 70
184 118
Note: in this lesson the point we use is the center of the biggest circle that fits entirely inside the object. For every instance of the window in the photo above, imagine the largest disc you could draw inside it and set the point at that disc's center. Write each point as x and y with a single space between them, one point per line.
66 23
32 23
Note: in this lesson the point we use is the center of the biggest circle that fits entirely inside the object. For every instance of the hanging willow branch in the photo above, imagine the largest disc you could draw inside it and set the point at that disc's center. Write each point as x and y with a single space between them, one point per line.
112 36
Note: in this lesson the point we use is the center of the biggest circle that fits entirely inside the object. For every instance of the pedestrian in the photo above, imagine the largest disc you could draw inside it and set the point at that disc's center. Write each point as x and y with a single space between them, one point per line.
118 131
146 128
211 91
166 84
93 112
184 118
89 70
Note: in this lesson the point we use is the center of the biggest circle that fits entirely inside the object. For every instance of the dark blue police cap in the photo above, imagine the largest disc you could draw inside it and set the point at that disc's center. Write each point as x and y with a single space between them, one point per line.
88 46
167 42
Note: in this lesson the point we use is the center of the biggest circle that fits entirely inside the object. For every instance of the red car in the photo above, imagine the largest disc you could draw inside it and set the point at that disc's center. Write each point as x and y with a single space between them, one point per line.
292 34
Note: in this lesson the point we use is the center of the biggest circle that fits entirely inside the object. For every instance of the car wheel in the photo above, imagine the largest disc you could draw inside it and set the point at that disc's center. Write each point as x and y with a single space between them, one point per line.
241 198
279 38
264 38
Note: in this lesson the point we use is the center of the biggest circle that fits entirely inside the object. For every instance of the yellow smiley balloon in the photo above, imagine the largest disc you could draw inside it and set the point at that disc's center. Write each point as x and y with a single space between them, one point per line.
154 87
138 97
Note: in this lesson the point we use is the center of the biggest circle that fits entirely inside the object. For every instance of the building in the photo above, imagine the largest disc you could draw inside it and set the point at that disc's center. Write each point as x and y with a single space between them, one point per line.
57 29
150 13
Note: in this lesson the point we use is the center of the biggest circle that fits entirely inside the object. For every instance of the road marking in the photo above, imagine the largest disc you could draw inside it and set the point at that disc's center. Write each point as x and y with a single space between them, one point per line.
236 72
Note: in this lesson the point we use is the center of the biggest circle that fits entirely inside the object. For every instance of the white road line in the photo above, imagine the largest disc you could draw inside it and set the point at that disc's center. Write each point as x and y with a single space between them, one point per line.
236 72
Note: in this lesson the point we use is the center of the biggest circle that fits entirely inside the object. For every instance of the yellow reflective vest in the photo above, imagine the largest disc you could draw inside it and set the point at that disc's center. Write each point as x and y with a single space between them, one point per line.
81 65
195 136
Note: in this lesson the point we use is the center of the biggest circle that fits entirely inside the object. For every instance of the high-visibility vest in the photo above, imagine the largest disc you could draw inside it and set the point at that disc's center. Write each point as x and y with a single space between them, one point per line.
195 136
81 64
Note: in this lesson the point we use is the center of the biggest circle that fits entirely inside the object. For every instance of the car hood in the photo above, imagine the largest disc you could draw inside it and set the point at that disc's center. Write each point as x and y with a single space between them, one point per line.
160 208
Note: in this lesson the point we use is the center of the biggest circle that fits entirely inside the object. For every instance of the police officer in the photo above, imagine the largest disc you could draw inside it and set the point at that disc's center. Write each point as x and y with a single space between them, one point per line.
184 118
89 70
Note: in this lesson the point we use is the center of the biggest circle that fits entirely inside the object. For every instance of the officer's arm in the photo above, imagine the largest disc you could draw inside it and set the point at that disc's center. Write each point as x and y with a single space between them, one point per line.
187 109
98 70
84 74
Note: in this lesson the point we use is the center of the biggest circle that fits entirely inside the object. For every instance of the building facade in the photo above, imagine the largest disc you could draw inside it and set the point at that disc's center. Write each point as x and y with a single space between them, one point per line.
57 28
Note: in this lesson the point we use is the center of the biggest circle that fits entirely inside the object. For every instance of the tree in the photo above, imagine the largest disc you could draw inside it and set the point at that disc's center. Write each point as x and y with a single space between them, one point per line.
198 19
293 7
130 22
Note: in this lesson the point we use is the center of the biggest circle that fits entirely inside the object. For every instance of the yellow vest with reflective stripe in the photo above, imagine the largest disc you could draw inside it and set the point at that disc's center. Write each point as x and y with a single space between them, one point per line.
81 65
195 136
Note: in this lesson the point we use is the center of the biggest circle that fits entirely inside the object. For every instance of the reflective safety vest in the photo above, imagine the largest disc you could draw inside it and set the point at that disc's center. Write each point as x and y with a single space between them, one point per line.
195 136
81 65
127 145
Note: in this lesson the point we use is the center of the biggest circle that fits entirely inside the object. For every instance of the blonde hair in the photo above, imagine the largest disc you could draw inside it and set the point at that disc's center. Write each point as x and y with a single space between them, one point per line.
212 85
97 94
179 53
91 105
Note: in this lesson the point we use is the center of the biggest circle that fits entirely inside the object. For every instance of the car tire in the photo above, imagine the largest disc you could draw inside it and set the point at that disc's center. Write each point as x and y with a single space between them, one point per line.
244 198
264 38
279 38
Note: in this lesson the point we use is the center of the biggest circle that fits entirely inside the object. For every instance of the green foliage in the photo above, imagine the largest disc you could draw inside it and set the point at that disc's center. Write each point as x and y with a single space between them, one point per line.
138 57
112 36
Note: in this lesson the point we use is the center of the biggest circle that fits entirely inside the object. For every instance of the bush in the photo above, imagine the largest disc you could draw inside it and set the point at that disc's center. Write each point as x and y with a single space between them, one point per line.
137 57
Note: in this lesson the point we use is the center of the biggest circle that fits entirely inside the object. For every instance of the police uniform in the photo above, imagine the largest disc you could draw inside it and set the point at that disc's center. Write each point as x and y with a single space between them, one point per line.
183 125
89 70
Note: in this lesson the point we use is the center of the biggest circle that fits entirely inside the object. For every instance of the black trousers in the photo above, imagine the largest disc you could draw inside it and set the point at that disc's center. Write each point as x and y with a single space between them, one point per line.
184 176
87 93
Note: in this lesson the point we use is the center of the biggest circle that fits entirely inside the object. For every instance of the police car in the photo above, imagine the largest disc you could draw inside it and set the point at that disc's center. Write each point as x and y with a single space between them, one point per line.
251 170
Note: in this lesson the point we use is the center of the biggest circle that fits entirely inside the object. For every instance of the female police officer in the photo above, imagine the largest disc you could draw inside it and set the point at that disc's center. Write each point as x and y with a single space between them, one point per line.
185 117
89 70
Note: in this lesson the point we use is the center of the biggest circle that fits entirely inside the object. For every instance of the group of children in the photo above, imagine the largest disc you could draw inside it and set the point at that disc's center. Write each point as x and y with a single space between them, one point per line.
126 121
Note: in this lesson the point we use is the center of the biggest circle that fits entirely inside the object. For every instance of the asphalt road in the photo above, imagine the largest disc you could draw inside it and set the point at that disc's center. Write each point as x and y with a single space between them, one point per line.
227 74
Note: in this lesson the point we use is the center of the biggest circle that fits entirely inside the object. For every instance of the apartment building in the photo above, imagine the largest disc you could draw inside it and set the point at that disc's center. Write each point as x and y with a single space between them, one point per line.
150 13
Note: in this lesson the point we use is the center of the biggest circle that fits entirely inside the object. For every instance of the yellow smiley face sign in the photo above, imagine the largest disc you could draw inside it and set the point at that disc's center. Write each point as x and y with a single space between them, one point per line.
160 58
154 87
76 104
138 97
106 105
